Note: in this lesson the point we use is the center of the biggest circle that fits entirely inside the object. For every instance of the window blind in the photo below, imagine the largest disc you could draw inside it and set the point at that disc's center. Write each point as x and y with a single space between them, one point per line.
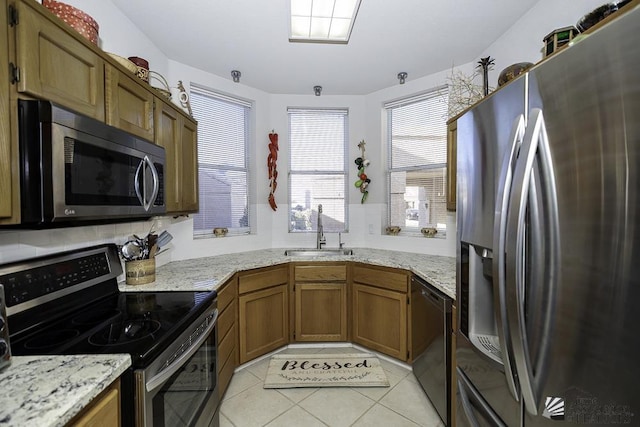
223 130
317 175
417 141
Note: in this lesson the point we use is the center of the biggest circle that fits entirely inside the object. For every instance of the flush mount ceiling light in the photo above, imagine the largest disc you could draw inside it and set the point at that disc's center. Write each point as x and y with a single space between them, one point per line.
235 74
402 77
322 21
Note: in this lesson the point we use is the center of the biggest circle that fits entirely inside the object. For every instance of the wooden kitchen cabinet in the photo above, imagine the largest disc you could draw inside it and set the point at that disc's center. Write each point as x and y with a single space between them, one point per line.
320 305
452 138
178 135
103 411
54 64
129 106
6 183
263 311
227 333
380 307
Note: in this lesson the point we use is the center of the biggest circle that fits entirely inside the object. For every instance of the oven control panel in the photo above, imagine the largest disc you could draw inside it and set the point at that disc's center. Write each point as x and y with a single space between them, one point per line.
27 285
5 349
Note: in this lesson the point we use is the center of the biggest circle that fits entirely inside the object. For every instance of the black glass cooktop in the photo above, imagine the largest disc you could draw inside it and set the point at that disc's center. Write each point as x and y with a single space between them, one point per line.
136 323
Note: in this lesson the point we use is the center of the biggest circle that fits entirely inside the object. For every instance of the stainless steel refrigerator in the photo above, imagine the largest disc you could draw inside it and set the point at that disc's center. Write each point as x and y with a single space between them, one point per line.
549 241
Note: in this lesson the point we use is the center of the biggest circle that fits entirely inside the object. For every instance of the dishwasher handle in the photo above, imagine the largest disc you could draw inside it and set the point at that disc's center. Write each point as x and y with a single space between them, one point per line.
443 303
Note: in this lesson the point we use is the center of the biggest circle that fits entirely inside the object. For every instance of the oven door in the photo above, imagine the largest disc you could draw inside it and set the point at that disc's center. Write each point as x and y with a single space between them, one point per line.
180 388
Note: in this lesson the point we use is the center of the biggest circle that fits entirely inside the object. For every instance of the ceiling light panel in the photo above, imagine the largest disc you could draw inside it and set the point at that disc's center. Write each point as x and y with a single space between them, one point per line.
328 21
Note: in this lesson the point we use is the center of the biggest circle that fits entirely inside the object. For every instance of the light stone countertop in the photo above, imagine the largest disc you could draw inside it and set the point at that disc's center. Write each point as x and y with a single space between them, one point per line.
50 390
206 274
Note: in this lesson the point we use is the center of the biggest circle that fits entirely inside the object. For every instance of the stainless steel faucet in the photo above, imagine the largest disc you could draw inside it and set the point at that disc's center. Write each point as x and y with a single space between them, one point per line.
320 239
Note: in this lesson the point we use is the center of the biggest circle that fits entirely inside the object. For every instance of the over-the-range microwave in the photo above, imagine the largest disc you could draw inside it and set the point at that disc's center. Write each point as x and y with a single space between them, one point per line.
76 169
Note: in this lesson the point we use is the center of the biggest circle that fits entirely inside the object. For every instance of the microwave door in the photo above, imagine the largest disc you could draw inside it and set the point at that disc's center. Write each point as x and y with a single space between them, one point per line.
93 178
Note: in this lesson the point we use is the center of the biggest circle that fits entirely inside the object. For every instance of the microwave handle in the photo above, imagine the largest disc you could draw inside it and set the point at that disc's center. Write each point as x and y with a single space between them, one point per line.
145 201
156 184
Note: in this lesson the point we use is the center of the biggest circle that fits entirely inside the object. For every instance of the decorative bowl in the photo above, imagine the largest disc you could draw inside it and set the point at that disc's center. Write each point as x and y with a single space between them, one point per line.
428 231
220 231
513 71
598 14
133 68
393 230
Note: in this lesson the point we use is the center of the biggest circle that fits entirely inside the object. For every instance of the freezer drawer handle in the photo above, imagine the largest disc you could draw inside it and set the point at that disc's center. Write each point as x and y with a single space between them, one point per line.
470 398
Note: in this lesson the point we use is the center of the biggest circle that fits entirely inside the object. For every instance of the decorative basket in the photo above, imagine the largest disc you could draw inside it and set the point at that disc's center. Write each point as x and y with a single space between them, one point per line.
133 68
165 90
75 18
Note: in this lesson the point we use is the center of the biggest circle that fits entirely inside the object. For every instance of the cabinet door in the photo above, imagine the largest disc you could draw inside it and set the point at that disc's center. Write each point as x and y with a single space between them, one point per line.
263 320
168 135
6 184
55 65
321 312
189 166
452 138
103 411
380 320
129 104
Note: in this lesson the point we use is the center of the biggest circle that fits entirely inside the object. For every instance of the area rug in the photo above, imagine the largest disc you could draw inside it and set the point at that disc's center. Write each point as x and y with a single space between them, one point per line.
325 370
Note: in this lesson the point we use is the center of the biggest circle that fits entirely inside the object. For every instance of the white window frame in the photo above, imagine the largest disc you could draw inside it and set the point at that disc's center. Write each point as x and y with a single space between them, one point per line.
205 91
343 172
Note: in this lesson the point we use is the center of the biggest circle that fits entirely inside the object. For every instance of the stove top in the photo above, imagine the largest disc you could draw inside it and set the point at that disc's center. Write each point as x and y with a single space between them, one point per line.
83 313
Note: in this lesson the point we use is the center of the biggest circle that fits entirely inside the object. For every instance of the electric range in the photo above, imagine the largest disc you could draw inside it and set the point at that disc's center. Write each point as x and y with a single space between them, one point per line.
69 303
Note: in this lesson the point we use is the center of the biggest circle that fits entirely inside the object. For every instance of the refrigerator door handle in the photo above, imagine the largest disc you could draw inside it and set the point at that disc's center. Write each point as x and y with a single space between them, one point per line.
499 236
534 147
470 398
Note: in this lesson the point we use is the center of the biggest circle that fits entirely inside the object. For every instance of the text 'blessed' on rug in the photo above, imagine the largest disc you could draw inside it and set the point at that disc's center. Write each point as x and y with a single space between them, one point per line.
325 370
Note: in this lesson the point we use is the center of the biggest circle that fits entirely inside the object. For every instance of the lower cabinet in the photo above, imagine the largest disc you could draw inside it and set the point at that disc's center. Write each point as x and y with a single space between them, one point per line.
380 310
320 303
103 411
227 333
263 308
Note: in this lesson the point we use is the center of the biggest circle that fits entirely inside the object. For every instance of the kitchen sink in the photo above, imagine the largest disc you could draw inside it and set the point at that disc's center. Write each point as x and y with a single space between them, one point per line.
311 253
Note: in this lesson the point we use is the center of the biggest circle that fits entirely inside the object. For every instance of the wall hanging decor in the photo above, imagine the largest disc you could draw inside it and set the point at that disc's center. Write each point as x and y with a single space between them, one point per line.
271 167
363 181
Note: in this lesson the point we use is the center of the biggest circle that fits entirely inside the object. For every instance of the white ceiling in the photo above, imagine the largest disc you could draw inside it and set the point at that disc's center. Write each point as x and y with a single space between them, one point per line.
420 37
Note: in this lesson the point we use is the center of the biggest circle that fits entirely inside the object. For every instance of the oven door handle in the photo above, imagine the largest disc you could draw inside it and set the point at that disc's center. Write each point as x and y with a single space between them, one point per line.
165 374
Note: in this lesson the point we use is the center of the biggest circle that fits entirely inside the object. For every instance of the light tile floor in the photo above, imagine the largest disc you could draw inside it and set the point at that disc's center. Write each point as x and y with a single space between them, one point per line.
403 403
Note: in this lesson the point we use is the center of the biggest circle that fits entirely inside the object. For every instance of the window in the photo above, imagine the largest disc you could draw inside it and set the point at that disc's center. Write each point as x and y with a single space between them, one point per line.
223 135
317 175
417 141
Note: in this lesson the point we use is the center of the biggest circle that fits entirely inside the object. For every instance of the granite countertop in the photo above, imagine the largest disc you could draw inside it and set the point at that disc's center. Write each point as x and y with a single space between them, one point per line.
50 390
206 274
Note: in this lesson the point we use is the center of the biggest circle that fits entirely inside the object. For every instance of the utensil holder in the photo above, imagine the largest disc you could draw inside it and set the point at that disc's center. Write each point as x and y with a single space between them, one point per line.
140 272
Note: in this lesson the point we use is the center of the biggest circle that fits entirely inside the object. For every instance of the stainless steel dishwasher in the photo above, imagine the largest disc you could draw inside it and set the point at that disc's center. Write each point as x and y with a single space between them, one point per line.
431 344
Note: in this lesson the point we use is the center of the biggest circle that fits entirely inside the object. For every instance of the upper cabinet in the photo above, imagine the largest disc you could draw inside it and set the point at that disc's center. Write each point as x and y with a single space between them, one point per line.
46 59
129 105
178 135
54 65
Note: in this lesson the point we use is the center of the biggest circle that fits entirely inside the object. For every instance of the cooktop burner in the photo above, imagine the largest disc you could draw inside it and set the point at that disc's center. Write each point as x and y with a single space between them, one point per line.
124 333
50 339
